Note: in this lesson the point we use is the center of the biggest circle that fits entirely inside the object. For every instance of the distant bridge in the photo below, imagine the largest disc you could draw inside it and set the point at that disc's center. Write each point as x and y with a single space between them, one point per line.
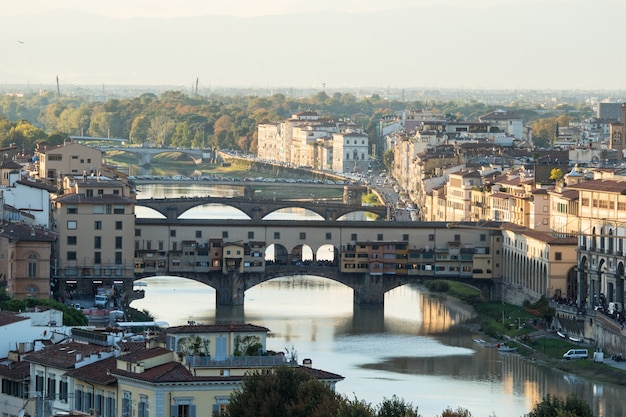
145 155
256 209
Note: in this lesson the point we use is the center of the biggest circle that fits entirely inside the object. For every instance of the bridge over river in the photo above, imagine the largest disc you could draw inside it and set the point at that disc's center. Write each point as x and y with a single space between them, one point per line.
257 209
369 257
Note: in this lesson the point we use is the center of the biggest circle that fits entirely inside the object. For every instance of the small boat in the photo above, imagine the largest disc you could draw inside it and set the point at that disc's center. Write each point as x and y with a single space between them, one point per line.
505 348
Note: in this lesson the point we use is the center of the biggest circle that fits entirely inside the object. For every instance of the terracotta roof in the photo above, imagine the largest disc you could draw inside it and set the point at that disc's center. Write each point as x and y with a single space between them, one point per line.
168 372
542 236
610 186
23 232
9 164
143 354
10 317
98 372
64 355
17 371
320 374
216 328
37 184
499 115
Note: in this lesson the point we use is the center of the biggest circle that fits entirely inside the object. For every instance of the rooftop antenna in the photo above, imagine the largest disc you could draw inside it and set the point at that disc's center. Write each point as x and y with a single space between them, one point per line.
58 88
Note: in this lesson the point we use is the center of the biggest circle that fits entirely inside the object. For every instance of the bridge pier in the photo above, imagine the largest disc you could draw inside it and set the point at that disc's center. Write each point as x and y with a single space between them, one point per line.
230 289
370 292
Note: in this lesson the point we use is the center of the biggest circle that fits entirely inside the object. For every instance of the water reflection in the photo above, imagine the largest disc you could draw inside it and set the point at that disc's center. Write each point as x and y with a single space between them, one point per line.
414 347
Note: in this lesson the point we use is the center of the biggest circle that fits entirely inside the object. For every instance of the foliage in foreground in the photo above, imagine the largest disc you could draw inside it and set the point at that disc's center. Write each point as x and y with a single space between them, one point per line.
71 316
292 392
554 406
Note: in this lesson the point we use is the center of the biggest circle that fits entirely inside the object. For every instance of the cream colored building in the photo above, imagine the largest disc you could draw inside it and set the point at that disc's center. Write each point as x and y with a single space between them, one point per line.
71 158
601 240
95 222
25 260
537 264
459 194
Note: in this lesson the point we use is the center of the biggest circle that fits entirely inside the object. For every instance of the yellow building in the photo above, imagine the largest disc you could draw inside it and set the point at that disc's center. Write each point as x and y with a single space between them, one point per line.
71 158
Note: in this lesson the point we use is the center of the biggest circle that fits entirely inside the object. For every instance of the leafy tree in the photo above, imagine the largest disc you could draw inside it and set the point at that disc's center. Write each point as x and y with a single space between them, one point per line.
556 174
459 412
396 407
555 406
283 391
355 408
388 159
160 131
248 346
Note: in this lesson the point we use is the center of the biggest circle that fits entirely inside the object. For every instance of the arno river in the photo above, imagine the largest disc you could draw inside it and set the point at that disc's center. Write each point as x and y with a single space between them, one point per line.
409 348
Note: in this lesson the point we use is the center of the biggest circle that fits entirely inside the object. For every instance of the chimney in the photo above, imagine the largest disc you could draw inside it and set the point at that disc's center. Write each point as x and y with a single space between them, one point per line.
307 362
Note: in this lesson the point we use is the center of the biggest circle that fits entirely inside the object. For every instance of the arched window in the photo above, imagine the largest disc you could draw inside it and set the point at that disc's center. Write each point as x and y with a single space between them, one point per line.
32 265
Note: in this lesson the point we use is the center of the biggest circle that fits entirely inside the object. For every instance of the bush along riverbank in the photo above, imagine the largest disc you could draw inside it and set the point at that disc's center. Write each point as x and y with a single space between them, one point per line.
528 328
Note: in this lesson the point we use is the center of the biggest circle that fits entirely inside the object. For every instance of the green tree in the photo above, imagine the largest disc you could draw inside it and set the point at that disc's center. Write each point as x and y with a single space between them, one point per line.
355 408
388 159
555 406
282 391
396 407
459 412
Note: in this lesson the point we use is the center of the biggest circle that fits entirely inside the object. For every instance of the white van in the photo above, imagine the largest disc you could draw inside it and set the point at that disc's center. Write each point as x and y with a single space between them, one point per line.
576 354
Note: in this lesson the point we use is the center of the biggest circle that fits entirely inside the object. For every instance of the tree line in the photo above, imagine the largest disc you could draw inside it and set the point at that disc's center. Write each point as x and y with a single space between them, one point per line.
174 119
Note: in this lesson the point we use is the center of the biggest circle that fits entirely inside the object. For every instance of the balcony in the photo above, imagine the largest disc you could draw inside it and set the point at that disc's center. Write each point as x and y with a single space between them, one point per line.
236 361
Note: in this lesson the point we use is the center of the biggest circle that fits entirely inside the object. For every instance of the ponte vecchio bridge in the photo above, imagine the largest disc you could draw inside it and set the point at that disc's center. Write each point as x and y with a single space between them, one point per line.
369 257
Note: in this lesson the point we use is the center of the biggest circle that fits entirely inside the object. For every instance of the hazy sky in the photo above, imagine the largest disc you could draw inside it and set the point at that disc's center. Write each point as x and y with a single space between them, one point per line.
477 44
241 8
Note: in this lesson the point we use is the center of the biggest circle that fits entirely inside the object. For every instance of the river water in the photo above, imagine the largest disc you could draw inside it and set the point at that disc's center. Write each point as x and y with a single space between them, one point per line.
414 347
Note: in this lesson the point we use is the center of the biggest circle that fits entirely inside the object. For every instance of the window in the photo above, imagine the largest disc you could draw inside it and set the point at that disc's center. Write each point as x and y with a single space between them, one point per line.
276 235
302 235
108 209
483 237
250 235
63 385
97 225
32 266
225 234
100 191
97 258
119 225
72 210
52 385
71 256
118 210
405 237
89 192
198 234
142 407
137 232
379 236
558 256
71 240
97 209
118 242
118 258
72 224
173 233
353 236
431 238
329 236
457 238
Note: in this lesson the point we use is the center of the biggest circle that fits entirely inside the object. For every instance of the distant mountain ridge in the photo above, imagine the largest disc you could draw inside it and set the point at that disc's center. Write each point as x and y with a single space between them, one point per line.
571 44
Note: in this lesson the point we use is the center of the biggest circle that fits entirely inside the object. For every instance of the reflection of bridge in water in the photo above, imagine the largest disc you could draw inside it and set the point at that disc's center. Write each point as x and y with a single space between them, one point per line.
257 209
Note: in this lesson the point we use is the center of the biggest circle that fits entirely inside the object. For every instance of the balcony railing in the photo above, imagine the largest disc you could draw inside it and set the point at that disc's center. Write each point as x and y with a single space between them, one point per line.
236 361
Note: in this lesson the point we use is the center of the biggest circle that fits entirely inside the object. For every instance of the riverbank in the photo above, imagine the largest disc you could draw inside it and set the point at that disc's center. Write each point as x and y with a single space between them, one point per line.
543 346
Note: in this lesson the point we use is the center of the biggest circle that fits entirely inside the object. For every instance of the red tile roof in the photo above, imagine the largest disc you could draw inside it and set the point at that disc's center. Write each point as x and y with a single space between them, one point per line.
64 355
10 317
